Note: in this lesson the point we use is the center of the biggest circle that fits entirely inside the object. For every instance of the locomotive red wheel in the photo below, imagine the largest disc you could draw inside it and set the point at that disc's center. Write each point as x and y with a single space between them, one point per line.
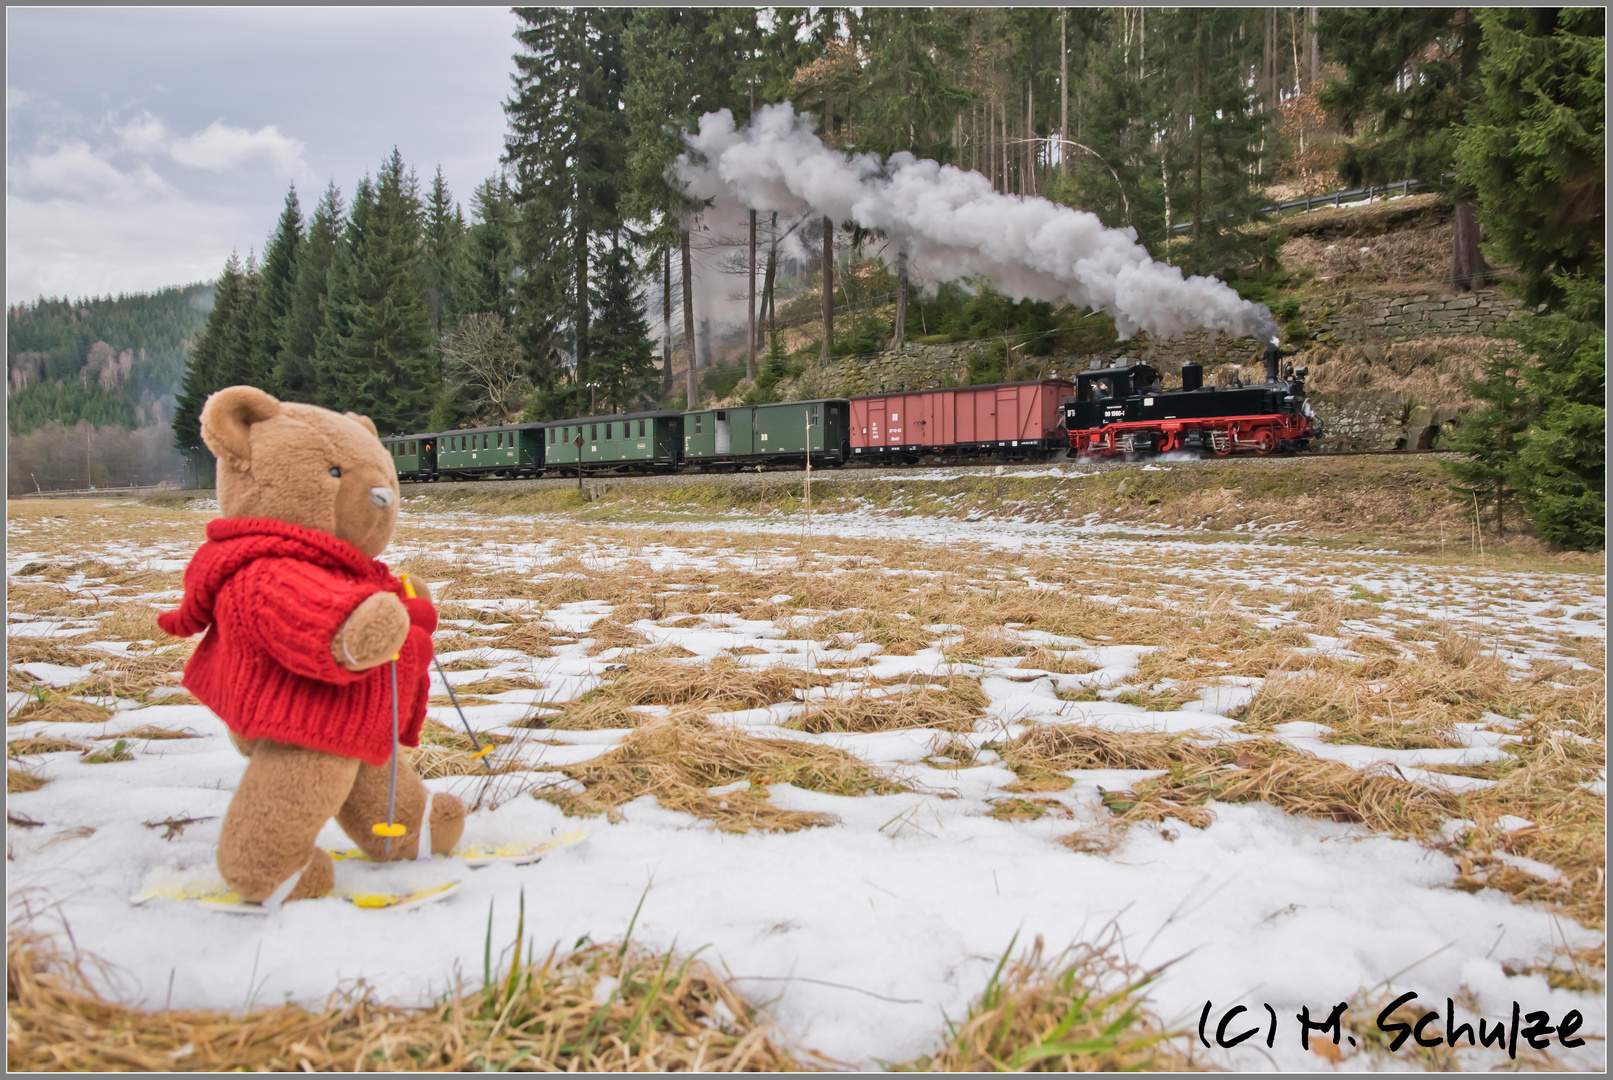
1265 441
1222 446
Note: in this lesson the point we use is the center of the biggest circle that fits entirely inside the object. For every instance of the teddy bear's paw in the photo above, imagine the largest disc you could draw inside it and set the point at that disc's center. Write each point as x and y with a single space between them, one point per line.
373 634
447 822
318 878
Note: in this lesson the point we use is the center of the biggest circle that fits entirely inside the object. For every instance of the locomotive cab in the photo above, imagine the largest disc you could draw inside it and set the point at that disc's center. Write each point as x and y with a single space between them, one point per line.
1101 394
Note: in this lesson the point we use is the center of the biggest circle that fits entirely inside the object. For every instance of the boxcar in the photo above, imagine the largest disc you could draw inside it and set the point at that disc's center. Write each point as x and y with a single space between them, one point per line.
784 433
1008 420
510 450
414 456
642 440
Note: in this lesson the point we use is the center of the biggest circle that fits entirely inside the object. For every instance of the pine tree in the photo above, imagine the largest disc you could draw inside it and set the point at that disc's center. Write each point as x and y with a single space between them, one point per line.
219 354
378 339
621 364
1535 149
276 295
297 374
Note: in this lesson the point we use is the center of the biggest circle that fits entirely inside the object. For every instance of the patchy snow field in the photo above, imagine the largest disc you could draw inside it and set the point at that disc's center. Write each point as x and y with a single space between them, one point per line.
1388 774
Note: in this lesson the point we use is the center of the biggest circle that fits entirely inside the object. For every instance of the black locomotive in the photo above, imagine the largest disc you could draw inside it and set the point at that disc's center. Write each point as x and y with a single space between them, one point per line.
1125 409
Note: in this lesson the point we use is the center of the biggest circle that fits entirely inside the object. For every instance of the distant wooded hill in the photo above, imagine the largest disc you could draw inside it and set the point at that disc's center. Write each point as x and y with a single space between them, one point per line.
115 362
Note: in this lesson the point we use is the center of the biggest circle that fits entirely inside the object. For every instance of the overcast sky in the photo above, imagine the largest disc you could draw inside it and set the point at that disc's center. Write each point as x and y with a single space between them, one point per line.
144 145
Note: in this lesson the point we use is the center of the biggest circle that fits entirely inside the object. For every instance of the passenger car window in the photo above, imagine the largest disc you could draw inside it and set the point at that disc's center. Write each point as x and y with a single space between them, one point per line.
641 429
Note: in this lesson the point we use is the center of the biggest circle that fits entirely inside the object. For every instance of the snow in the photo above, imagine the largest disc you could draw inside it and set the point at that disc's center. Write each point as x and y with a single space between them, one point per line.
863 935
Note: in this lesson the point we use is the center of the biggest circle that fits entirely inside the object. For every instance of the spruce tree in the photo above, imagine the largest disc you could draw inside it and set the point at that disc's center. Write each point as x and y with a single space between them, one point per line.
1564 454
1410 79
219 354
297 372
383 352
490 272
1490 475
276 295
1535 151
444 263
567 146
621 363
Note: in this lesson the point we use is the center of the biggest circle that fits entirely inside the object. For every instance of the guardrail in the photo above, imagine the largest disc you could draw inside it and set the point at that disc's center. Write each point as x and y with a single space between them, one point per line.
1332 198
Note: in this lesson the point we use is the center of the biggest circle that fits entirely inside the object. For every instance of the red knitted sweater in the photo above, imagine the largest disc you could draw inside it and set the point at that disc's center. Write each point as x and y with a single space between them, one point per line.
271 597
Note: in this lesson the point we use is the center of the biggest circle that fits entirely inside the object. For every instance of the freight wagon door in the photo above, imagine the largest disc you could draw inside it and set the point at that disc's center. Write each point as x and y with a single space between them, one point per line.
876 421
857 423
1007 415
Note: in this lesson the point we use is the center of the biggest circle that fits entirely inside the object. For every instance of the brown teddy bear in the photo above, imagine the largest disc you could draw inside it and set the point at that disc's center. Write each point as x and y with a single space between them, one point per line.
301 623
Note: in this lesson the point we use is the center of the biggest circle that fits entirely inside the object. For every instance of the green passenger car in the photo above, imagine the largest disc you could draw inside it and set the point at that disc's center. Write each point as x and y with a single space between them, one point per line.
511 450
644 440
770 434
414 456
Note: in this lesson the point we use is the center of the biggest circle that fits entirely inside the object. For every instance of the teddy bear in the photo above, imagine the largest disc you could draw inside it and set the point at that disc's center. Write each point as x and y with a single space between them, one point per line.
304 633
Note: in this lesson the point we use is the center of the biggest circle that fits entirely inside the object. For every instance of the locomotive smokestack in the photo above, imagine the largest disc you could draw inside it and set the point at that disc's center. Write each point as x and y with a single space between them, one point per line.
1273 355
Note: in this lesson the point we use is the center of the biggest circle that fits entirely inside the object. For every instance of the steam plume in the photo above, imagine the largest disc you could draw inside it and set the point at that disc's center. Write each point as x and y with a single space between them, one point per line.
955 227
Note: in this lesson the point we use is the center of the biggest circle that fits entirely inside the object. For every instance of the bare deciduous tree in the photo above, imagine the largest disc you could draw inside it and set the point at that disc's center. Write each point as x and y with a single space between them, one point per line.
483 355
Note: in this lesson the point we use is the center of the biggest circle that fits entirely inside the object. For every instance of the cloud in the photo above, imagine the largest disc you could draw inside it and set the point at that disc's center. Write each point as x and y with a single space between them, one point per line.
74 171
222 148
145 134
57 247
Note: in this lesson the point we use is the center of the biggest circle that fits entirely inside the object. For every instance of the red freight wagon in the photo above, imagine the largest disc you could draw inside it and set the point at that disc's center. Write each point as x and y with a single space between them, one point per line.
1008 420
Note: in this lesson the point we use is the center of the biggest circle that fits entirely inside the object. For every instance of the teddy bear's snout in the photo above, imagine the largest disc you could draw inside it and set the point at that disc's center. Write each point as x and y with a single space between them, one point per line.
381 496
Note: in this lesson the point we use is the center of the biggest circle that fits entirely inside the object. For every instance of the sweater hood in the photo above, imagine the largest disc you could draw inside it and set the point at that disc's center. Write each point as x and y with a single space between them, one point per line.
233 544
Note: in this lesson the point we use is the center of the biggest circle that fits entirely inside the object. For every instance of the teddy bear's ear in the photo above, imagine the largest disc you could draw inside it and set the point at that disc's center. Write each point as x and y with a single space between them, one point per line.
365 422
228 415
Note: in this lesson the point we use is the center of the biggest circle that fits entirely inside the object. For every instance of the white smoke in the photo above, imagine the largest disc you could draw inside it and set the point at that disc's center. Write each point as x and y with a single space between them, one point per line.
954 227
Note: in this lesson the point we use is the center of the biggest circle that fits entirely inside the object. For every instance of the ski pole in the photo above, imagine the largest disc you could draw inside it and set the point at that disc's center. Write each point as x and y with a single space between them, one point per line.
390 828
481 751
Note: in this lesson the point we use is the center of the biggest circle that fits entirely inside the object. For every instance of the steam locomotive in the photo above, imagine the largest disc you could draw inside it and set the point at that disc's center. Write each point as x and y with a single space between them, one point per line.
1124 409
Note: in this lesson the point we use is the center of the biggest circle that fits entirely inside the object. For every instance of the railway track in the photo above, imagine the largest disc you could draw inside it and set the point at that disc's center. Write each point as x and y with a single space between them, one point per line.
849 471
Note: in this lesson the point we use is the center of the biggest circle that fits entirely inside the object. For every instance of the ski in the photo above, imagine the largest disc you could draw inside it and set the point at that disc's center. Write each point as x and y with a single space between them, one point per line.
485 854
220 897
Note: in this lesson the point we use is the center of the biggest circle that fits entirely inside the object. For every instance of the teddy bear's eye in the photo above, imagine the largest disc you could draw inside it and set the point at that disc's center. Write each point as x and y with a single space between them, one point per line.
336 470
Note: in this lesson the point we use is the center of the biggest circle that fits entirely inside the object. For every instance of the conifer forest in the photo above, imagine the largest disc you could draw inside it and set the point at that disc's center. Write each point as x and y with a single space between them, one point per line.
587 274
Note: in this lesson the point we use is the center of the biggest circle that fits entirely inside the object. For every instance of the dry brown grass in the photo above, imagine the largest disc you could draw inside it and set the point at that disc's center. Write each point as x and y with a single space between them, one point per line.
665 1013
602 715
23 780
60 710
896 633
1081 1011
1042 753
27 747
921 707
723 682
446 751
678 758
1023 809
150 733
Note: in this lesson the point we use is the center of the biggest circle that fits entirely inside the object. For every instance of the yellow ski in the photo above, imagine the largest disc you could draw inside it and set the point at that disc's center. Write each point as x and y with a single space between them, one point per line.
484 854
220 897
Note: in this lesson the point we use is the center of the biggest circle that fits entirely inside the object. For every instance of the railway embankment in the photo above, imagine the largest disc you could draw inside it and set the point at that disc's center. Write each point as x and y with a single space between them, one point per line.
1383 502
